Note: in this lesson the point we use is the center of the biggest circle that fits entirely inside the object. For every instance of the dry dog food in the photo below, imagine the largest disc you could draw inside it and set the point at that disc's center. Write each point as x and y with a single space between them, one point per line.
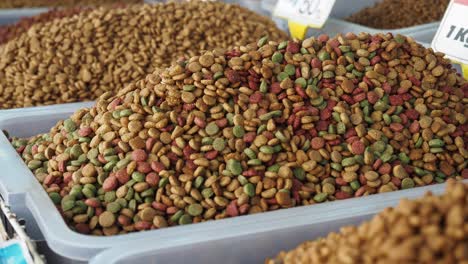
81 57
8 32
432 229
257 128
61 3
392 14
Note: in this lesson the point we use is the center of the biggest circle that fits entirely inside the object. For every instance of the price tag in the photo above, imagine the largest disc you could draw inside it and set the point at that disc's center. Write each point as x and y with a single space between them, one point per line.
302 14
452 36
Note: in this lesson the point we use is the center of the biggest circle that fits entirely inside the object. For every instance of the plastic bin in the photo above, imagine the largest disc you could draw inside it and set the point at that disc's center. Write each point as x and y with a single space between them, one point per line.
343 8
254 241
27 198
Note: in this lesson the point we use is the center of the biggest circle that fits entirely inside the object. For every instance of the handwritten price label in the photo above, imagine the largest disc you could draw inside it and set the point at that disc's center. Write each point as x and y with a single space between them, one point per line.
303 13
452 36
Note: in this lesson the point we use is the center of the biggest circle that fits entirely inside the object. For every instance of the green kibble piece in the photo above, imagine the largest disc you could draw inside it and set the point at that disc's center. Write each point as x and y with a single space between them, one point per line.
407 183
207 193
132 205
436 150
340 128
129 194
379 146
262 128
418 143
219 144
290 69
299 173
336 166
283 45
207 141
199 181
250 153
439 180
110 196
345 48
277 57
267 149
261 42
348 162
419 171
304 51
238 131
263 87
174 218
282 76
301 81
122 201
356 73
55 197
195 209
34 164
317 101
386 157
130 183
320 197
67 204
163 182
218 75
137 197
234 166
350 67
109 165
396 119
277 148
242 180
125 112
69 125
274 168
280 136
185 219
440 174
147 193
212 129
403 158
328 74
355 185
387 119
189 88
88 193
249 189
113 207
138 176
254 162
436 143
323 55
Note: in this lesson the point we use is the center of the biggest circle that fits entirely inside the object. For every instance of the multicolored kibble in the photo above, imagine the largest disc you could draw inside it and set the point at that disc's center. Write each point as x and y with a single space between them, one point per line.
266 134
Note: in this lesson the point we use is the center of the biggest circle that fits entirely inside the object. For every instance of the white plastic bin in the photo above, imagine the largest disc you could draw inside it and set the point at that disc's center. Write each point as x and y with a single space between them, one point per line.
253 241
26 197
343 8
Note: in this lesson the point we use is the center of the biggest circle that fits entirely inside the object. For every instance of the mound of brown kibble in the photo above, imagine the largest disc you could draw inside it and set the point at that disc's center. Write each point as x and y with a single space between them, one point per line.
432 229
61 3
394 14
8 32
79 58
257 128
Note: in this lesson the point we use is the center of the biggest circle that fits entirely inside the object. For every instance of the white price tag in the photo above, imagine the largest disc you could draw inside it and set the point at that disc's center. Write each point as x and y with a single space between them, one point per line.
452 36
303 13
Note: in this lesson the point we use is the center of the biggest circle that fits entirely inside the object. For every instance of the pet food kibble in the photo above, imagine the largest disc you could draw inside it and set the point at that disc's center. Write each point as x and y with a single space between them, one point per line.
394 14
79 58
432 229
225 154
61 3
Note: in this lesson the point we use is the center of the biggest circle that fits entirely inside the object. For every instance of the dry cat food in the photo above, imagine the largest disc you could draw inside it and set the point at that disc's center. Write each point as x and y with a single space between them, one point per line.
393 14
265 126
81 57
432 229
8 32
61 3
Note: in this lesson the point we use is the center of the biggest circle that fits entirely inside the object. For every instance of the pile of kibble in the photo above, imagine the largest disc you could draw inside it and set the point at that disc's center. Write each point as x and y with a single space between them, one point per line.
432 229
61 3
394 14
8 32
247 130
79 58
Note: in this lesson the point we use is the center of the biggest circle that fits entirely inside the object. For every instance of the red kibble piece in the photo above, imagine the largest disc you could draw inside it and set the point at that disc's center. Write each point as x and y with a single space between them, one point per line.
98 211
67 177
211 154
396 127
221 122
340 195
323 38
360 191
412 114
396 181
61 166
143 167
199 122
325 114
385 168
49 179
256 98
341 182
159 206
293 47
172 210
157 166
231 209
139 155
317 143
93 202
386 87
359 97
124 220
249 137
110 183
142 225
82 228
152 179
375 60
358 147
322 125
414 127
243 209
396 100
316 63
84 131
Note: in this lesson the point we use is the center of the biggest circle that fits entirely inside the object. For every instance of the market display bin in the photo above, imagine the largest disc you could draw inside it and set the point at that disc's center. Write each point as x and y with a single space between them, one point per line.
26 197
252 239
343 8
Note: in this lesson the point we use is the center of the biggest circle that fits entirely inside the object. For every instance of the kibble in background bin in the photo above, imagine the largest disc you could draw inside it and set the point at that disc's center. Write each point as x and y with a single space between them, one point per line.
336 23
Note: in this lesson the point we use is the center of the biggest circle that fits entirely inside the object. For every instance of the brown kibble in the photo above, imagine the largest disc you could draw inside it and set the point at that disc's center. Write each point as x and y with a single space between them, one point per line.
399 172
88 170
106 219
285 172
283 198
